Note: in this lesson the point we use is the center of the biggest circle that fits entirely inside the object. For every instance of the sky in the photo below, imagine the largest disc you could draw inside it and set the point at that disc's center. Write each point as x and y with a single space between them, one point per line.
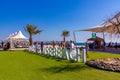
54 16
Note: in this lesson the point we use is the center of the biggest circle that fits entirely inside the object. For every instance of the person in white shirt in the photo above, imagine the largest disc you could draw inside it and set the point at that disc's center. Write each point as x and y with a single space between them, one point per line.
73 50
72 44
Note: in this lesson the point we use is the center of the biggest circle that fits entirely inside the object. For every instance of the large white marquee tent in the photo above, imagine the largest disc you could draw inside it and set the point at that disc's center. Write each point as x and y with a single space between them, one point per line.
17 36
17 39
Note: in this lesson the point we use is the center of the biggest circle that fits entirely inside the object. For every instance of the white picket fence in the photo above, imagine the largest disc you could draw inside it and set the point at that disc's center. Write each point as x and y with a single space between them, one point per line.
72 54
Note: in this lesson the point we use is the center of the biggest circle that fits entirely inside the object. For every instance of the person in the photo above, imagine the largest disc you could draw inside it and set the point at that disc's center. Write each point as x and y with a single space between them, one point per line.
72 44
115 45
2 44
53 43
37 47
68 45
109 45
7 46
41 45
73 50
87 49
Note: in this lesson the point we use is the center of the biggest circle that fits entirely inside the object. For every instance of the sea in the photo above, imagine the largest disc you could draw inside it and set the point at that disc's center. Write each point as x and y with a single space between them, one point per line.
82 44
79 44
57 42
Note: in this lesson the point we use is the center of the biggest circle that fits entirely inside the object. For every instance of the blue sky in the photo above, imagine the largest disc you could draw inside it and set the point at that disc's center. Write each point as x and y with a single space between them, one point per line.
54 16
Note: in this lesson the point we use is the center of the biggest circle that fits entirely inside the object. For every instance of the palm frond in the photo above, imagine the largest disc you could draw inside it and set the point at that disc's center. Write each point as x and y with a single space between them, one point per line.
32 30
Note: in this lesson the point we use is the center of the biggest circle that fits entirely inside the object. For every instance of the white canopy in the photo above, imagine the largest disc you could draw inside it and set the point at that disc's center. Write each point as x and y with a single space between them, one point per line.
17 35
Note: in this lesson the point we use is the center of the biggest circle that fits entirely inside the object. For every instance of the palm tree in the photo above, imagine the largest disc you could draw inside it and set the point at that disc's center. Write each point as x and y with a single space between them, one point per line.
65 34
32 30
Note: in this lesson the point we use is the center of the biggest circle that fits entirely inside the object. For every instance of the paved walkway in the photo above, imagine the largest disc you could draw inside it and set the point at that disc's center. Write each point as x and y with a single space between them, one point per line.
107 50
17 49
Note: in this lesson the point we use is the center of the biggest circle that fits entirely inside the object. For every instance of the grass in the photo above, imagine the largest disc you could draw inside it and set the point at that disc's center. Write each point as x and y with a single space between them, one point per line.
21 65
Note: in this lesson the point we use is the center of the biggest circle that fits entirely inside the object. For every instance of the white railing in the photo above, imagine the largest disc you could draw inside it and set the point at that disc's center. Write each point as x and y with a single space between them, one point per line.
72 54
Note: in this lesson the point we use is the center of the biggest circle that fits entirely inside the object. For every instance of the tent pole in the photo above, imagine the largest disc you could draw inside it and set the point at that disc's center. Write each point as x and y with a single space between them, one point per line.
74 36
104 41
103 36
11 43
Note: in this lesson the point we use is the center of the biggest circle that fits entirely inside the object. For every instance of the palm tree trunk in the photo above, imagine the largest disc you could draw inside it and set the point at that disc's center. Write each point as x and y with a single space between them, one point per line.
64 39
30 40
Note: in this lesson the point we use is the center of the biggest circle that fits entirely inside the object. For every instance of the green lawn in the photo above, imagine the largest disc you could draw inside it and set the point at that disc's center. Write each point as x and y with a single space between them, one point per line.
21 65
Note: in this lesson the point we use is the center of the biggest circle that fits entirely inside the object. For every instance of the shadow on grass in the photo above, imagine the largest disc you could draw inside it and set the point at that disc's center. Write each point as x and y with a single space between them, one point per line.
65 68
48 56
51 57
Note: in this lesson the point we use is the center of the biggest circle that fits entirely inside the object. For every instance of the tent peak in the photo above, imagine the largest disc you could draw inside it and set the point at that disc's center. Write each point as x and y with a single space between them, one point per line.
17 35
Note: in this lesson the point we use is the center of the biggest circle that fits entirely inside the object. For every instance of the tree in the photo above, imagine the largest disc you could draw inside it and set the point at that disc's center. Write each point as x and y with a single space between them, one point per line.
65 34
32 30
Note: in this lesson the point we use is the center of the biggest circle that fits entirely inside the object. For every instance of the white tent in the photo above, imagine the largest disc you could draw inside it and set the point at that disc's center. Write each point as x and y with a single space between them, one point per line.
17 39
17 36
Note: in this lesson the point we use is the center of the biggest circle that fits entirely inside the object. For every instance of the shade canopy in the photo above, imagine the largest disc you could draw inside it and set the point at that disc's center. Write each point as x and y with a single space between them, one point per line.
112 29
106 27
96 29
